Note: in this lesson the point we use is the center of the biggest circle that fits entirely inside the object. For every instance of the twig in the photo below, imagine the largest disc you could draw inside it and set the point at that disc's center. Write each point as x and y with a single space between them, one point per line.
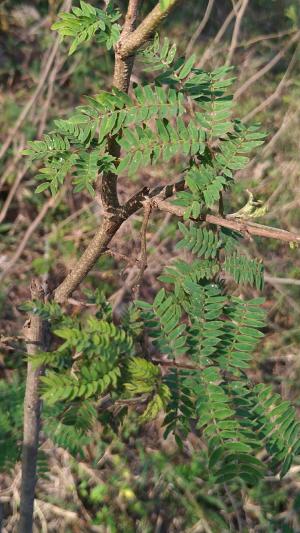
236 31
43 77
242 226
30 230
69 516
208 52
288 118
277 93
118 296
200 28
267 67
12 191
45 108
11 165
177 364
142 261
281 281
266 37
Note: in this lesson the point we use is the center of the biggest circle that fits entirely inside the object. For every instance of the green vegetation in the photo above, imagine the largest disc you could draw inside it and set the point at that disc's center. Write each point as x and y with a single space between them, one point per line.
167 400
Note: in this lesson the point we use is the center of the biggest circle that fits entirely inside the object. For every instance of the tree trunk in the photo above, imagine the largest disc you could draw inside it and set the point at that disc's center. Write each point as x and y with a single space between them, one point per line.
35 334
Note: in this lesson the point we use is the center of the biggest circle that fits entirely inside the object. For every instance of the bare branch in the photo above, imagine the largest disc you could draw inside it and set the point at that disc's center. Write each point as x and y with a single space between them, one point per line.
30 230
200 28
66 7
236 31
242 226
209 50
268 66
278 91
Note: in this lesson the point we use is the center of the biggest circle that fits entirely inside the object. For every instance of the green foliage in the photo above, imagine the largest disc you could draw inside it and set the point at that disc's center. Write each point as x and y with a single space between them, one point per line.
144 378
181 274
87 21
146 146
187 352
162 318
241 333
277 426
244 270
50 145
202 242
206 305
208 244
11 422
180 409
159 56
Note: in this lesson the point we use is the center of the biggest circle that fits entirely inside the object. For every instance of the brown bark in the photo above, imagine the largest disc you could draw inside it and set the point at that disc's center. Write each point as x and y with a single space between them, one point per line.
96 247
35 334
128 46
237 224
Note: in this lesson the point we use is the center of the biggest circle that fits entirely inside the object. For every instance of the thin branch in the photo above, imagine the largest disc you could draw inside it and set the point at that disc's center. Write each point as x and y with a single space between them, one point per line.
158 196
281 281
30 230
118 296
208 52
142 261
12 164
242 226
44 113
278 91
267 67
200 28
236 31
288 119
12 191
176 364
105 234
266 37
43 77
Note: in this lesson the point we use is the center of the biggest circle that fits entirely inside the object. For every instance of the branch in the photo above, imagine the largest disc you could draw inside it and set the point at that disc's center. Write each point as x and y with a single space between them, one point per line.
200 28
253 79
278 91
143 256
35 331
242 226
209 50
96 247
30 230
236 31
43 77
158 197
122 73
129 45
105 234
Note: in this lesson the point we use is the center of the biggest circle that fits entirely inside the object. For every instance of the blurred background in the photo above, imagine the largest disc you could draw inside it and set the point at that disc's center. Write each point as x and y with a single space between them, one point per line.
133 480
